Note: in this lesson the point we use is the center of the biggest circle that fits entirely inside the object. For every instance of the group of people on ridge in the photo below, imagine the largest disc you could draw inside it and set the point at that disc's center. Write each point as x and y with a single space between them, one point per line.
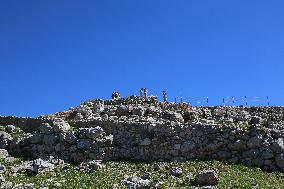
143 93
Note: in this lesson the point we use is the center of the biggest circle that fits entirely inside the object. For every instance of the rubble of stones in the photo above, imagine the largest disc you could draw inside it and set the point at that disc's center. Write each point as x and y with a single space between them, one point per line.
140 128
29 168
204 178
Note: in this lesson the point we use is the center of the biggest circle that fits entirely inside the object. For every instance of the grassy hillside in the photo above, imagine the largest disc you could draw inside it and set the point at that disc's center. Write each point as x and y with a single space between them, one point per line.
235 176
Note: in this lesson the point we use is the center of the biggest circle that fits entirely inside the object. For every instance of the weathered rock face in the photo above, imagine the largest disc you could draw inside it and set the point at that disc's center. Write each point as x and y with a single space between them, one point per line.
145 129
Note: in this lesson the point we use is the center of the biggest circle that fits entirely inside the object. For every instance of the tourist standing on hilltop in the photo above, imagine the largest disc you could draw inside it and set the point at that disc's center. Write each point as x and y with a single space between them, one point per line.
165 96
141 92
145 92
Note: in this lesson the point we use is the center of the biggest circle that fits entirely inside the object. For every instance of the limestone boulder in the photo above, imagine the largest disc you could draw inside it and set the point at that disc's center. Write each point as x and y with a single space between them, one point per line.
98 107
252 153
5 139
122 110
172 116
242 116
71 138
136 182
85 111
138 110
207 178
239 145
95 132
93 165
267 154
33 167
152 110
187 146
2 169
2 182
176 171
4 154
84 144
278 145
78 116
61 126
255 141
256 120
279 159
10 128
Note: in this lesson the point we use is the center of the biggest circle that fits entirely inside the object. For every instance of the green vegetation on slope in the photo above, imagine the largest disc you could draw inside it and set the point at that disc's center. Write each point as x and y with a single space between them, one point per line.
235 176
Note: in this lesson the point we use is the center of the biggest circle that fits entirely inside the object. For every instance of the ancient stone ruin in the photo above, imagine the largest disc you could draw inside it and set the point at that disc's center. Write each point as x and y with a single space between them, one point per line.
140 128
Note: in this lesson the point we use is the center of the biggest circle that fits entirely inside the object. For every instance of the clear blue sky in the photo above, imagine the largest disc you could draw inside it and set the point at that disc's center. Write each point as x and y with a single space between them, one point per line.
55 54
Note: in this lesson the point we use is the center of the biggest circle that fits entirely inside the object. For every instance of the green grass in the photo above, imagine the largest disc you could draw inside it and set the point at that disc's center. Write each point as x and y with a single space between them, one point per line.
236 176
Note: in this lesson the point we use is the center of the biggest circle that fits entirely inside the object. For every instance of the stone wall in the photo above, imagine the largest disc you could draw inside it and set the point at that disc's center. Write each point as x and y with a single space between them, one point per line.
152 141
28 124
147 130
250 145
